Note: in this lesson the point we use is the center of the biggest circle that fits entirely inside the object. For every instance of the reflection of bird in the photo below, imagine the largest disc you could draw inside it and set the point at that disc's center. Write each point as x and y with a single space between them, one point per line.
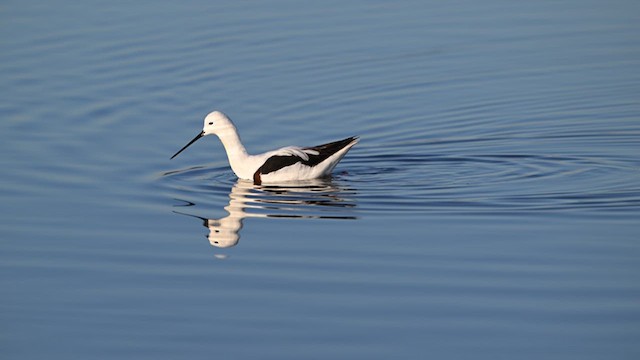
285 164
293 201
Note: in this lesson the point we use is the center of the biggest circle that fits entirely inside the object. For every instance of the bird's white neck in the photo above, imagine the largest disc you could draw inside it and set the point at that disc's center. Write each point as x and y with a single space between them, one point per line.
236 152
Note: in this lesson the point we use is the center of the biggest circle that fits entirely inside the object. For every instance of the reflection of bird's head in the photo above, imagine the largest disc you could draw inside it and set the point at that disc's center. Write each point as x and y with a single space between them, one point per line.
223 234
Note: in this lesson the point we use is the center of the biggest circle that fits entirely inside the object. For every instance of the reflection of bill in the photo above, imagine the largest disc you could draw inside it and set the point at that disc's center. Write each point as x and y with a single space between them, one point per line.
320 199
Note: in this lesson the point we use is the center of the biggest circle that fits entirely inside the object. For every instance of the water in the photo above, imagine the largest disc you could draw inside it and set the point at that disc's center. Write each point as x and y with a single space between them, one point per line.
490 210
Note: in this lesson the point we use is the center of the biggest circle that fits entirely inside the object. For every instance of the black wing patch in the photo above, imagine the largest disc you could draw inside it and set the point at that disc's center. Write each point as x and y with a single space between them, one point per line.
278 162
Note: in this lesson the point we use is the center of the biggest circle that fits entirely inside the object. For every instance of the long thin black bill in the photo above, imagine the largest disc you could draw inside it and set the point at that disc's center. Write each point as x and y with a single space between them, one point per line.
190 142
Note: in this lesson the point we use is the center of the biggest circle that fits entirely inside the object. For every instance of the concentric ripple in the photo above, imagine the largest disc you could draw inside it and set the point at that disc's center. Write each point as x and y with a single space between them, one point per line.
508 183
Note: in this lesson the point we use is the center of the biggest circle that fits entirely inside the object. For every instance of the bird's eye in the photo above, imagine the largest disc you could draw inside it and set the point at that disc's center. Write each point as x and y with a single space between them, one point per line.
211 123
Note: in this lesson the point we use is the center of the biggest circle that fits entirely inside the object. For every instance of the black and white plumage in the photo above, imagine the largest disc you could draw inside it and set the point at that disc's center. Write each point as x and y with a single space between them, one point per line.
315 156
285 164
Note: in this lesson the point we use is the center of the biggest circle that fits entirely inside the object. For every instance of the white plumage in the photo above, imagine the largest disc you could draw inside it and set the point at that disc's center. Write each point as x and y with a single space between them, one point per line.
284 164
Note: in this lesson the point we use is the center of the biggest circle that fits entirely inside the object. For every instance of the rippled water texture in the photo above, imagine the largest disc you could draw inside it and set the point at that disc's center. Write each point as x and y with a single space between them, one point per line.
491 209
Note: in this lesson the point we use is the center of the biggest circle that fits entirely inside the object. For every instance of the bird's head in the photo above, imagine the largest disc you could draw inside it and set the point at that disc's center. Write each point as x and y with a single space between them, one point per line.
214 123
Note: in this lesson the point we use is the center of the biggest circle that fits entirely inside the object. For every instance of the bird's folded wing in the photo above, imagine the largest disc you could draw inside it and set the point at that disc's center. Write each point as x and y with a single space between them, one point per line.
295 151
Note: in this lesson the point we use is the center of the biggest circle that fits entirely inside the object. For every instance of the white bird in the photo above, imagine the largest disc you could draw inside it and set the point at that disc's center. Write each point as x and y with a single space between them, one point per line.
285 164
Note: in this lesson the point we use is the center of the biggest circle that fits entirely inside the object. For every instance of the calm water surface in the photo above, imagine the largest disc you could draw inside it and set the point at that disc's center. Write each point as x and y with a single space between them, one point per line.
491 209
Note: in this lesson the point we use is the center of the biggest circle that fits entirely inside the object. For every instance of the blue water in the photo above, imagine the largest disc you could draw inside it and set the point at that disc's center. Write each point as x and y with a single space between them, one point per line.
490 211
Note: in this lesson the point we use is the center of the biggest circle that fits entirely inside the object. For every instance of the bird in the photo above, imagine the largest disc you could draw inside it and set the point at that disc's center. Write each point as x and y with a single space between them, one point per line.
290 163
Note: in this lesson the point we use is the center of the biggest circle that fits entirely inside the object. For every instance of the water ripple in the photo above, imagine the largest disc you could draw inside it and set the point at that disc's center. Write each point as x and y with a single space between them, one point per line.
487 183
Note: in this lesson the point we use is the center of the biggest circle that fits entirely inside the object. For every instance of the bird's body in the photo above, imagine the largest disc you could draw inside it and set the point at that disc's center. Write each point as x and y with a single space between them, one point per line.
285 164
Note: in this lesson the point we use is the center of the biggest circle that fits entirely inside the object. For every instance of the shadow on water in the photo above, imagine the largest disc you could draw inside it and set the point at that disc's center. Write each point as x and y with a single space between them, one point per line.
315 199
